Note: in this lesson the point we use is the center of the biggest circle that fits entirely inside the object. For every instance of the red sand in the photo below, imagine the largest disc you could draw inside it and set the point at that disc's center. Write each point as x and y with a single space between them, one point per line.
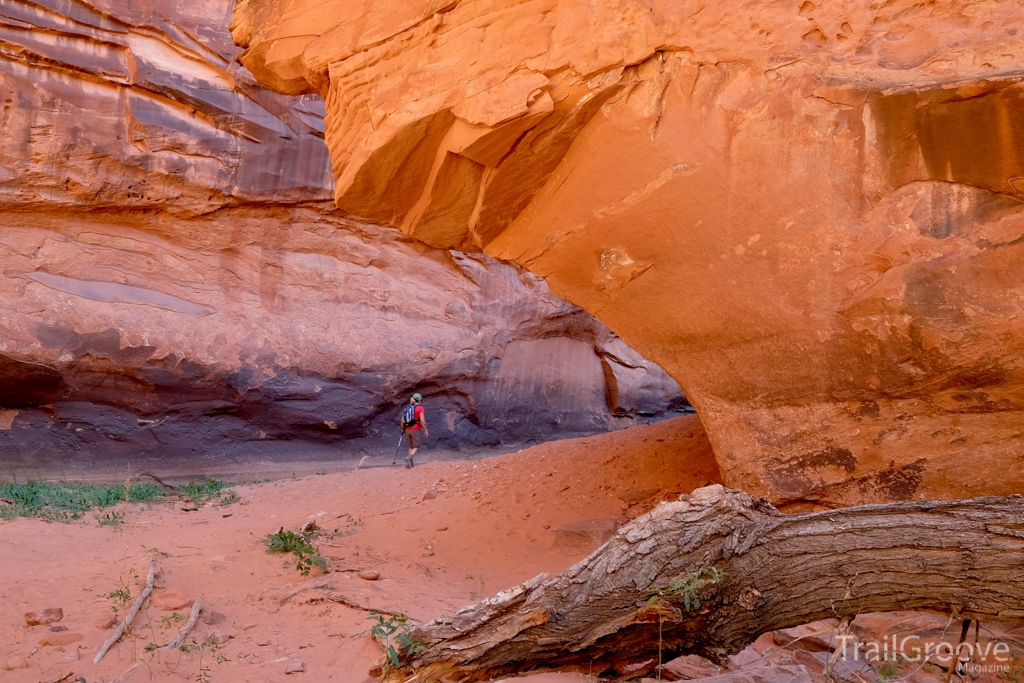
490 527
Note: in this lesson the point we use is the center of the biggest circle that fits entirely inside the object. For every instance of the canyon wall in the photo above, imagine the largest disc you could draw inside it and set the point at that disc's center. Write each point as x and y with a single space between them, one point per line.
810 213
177 285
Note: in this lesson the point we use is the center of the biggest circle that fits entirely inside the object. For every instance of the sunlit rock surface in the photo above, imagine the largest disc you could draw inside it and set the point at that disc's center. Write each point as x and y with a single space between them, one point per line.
808 212
176 287
138 104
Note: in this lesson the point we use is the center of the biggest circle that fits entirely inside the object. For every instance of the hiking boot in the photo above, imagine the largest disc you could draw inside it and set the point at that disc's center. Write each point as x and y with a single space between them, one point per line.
408 464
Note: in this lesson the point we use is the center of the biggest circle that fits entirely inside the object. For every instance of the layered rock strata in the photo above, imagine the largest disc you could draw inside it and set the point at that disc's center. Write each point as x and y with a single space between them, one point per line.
810 213
175 285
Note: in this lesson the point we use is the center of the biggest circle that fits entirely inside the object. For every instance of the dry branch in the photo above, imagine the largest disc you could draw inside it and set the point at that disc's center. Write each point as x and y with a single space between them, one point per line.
130 617
324 583
197 607
342 600
128 674
714 570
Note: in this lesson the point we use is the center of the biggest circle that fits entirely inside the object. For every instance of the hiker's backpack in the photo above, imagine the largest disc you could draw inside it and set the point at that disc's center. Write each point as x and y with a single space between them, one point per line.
409 416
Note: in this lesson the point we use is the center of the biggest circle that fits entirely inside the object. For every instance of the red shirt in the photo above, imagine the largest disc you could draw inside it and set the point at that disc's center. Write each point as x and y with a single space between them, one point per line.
417 413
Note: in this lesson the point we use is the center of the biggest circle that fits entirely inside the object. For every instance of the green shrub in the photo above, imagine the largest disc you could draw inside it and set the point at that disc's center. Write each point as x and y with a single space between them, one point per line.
66 501
298 544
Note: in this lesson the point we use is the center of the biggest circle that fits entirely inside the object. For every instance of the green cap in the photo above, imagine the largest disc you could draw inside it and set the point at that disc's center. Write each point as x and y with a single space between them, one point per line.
417 398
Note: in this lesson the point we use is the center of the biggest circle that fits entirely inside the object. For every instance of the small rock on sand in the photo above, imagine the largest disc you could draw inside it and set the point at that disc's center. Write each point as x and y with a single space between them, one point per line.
44 616
442 528
431 494
60 639
105 621
16 663
212 618
170 599
295 668
369 575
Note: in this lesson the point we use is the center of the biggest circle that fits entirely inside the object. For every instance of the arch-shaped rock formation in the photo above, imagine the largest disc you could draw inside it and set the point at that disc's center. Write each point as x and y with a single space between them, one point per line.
808 213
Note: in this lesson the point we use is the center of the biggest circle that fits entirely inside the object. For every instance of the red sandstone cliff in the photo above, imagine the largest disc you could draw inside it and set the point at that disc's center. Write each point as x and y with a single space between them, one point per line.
175 285
808 212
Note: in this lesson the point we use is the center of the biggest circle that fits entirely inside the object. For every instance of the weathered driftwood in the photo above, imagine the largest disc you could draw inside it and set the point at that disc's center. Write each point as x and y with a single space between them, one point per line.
130 616
708 574
193 617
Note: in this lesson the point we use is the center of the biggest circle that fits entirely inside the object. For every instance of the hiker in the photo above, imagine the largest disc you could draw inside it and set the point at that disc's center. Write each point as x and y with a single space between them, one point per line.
413 422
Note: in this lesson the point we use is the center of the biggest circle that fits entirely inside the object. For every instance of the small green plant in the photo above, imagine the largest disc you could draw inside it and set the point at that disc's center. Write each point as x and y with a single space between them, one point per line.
690 586
208 491
1015 674
298 544
67 501
888 671
170 620
229 498
110 519
393 633
119 599
203 490
210 646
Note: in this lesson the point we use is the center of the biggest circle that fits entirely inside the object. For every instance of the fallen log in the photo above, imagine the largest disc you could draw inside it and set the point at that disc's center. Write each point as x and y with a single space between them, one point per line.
707 574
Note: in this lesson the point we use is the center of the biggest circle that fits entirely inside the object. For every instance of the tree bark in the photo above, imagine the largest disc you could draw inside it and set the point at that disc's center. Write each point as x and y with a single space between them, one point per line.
707 574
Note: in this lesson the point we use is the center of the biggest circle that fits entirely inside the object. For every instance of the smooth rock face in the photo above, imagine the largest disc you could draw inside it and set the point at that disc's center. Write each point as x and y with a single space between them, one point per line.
809 213
176 287
138 105
189 339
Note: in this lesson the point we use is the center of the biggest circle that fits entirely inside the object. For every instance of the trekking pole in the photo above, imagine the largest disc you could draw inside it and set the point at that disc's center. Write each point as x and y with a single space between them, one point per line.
401 438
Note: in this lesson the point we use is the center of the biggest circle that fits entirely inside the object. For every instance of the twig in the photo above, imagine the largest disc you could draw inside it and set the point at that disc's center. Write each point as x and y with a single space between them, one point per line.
836 654
64 677
166 487
312 585
183 633
342 600
955 664
130 617
127 674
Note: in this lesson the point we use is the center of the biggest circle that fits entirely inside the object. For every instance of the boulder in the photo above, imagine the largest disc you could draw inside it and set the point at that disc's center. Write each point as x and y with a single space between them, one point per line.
759 674
688 668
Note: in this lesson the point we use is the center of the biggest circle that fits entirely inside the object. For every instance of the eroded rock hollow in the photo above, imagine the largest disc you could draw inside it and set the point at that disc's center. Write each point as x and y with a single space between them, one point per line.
810 213
178 284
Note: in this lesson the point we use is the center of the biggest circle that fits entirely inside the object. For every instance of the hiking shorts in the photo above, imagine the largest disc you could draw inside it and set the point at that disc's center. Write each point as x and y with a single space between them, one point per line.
412 437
